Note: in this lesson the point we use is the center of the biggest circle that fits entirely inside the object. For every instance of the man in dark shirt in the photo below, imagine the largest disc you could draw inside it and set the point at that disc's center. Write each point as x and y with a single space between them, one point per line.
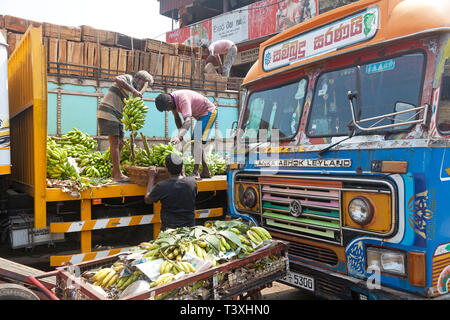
177 195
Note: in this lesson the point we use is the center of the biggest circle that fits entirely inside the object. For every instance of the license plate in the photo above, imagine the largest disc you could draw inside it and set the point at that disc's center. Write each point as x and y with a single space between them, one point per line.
299 280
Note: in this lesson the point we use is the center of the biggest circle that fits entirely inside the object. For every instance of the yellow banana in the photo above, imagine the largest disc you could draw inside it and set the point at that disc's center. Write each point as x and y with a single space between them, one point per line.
108 277
101 274
112 281
263 233
254 237
163 267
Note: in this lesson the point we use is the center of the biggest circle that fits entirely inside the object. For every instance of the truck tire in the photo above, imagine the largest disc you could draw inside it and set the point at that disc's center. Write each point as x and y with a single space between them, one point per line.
10 291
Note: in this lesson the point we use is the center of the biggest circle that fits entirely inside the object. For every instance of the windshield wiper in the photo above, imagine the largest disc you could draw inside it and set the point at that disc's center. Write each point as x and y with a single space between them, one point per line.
350 126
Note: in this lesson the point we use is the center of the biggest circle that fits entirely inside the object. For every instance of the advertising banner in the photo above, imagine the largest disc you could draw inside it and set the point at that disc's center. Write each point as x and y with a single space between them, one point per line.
256 20
353 29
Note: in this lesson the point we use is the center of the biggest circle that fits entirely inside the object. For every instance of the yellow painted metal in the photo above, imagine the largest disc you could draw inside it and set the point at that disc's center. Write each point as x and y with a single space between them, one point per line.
86 236
27 86
157 226
382 218
129 190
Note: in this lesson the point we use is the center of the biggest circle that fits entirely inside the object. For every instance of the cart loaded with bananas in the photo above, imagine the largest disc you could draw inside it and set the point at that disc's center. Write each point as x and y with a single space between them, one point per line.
217 260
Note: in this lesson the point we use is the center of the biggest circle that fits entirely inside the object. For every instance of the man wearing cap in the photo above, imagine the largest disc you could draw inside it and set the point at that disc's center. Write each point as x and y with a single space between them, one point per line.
110 111
191 104
177 194
222 47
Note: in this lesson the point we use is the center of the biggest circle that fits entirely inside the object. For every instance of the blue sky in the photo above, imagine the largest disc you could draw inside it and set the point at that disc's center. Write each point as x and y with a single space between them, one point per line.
137 18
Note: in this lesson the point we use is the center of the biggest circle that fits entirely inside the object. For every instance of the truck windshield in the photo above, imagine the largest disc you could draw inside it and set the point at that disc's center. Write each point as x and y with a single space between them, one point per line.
275 109
385 87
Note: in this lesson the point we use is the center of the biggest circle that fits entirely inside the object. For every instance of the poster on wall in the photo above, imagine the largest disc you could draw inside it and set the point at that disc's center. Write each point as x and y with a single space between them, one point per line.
232 26
256 20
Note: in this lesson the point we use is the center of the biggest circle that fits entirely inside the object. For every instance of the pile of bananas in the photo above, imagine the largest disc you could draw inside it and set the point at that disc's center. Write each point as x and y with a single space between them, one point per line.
75 139
159 153
217 164
134 113
178 251
147 156
95 164
81 147
58 166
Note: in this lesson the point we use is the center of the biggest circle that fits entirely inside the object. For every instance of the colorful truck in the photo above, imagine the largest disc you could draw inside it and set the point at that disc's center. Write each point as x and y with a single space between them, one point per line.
341 149
100 222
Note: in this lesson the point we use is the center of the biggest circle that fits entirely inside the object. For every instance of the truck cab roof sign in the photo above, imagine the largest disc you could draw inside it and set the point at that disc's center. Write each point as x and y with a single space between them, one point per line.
334 36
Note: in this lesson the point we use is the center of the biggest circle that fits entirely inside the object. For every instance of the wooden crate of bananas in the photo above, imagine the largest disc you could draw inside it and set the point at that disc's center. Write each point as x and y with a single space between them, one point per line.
220 260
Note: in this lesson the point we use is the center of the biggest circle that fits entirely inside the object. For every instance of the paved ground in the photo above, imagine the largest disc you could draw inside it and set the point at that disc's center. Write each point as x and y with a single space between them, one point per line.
280 291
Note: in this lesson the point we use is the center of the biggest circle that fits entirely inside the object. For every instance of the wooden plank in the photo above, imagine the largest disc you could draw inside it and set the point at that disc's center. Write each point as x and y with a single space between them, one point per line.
156 63
75 56
145 58
122 62
13 40
157 46
90 34
113 59
23 270
20 25
104 60
127 42
2 22
62 55
136 61
61 32
90 58
130 61
176 69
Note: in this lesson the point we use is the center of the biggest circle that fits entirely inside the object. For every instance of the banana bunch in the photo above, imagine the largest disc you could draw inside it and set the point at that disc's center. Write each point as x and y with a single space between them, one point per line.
163 279
58 166
75 151
134 113
175 267
77 138
159 153
188 162
216 163
125 281
105 277
258 235
95 164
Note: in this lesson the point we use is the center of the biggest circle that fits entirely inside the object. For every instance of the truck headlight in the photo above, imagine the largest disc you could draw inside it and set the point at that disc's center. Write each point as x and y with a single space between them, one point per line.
387 261
247 197
360 210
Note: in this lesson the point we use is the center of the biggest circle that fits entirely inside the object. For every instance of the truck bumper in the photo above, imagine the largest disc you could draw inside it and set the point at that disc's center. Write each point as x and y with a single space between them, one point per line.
336 286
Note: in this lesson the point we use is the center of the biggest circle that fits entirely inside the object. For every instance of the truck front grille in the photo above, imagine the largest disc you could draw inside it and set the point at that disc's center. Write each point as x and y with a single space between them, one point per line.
314 253
318 214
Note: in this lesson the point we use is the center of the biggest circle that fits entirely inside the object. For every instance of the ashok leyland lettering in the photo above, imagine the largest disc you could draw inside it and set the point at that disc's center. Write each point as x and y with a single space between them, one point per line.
342 150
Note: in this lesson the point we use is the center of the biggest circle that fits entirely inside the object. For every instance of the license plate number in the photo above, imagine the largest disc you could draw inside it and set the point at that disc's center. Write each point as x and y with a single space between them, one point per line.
299 280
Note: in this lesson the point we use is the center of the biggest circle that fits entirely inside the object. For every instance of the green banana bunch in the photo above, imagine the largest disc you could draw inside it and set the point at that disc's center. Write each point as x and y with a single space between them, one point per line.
134 113
58 166
125 281
95 164
188 162
159 153
258 235
77 138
